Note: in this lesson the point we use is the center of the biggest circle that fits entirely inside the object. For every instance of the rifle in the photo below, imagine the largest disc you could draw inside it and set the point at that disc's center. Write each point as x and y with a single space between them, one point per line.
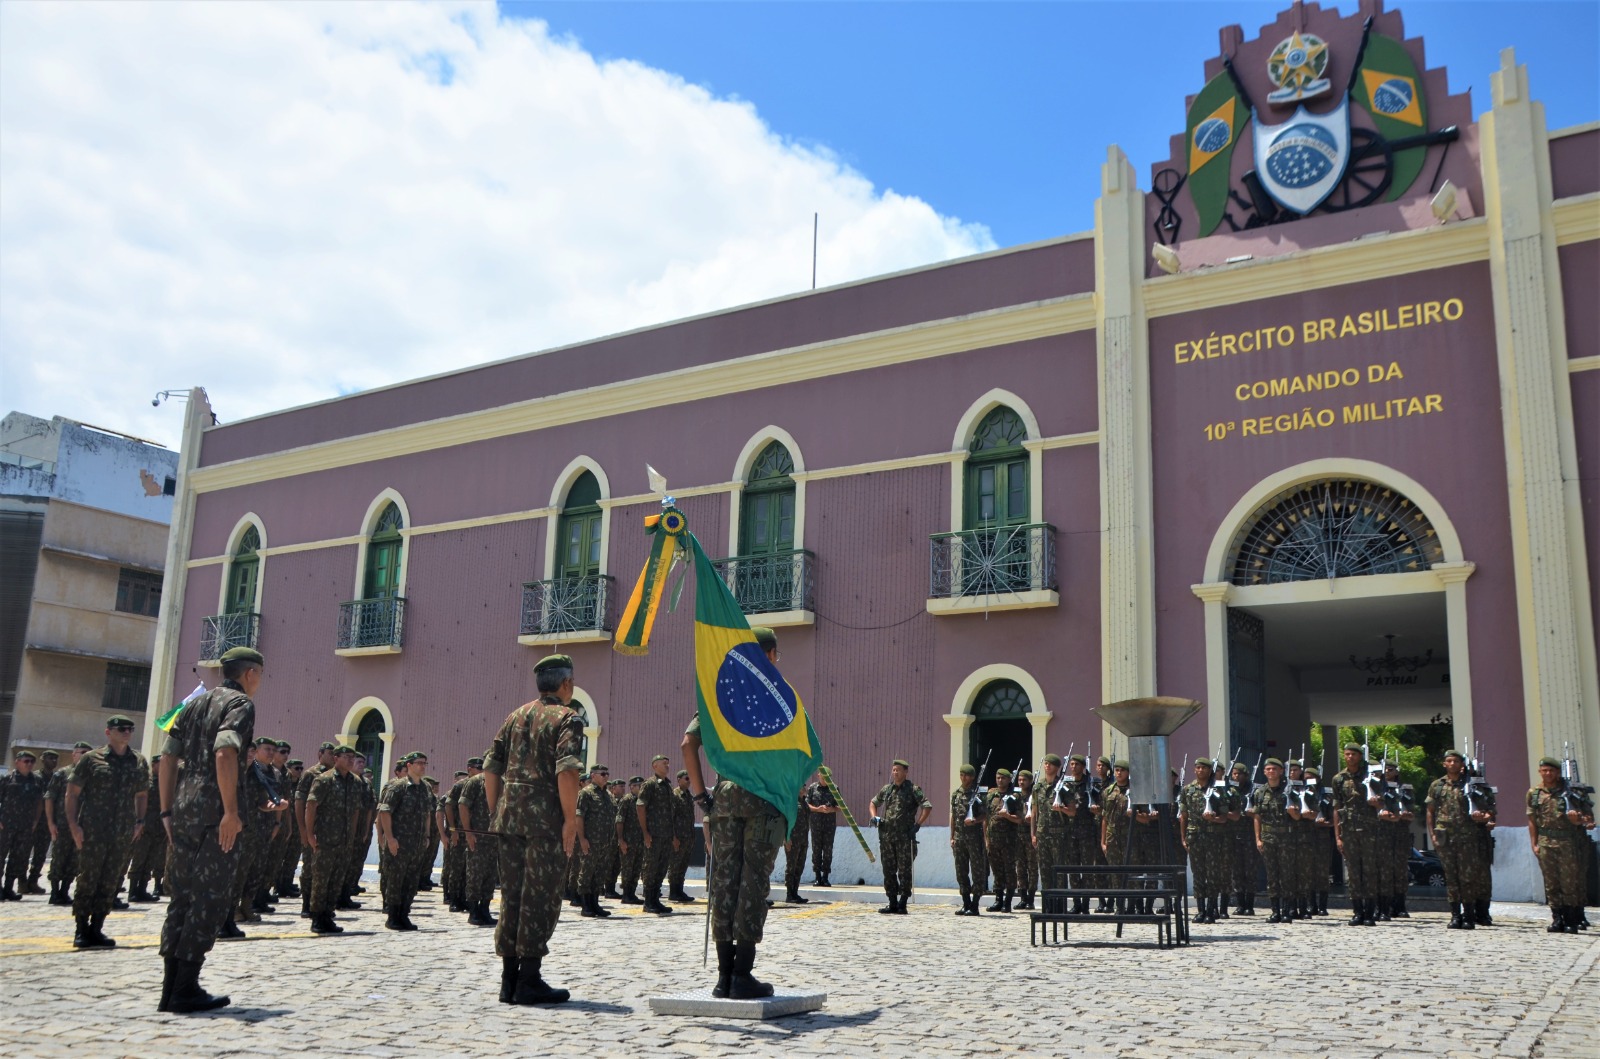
1009 802
838 799
1061 780
1576 797
1249 798
1476 788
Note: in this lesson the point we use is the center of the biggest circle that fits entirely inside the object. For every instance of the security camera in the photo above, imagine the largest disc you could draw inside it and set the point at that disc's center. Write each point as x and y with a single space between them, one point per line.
155 402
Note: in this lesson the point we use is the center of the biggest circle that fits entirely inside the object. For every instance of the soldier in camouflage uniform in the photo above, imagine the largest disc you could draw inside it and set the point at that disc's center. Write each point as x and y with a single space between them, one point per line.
1205 839
597 814
1455 831
794 851
630 840
1557 834
308 855
455 871
405 829
654 809
899 810
149 857
63 851
611 873
1394 845
1002 835
48 761
1322 845
105 811
431 854
531 777
967 813
1027 852
1355 832
821 816
1244 860
1116 823
361 844
683 831
1274 840
201 769
283 879
21 804
1144 836
335 806
260 811
1298 859
1083 824
1049 824
481 873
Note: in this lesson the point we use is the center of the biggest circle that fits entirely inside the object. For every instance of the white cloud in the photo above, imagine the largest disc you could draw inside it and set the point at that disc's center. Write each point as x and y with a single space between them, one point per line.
282 203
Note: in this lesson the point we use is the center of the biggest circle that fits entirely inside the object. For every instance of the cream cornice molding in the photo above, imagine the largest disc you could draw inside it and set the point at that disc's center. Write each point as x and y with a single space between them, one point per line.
1374 257
1577 364
482 520
1576 220
915 342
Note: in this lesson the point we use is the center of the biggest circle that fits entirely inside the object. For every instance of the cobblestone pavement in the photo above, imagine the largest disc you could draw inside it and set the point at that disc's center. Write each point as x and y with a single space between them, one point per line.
926 984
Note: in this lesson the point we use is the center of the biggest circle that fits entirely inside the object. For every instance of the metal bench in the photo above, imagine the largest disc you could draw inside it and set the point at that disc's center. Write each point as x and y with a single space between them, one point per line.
1165 887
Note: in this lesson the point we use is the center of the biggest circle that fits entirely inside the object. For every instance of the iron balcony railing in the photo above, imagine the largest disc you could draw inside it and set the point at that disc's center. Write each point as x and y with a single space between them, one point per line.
223 632
764 584
993 562
567 605
372 622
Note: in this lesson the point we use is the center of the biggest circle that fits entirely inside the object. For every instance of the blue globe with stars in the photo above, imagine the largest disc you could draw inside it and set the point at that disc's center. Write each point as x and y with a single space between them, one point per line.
1303 155
755 699
1211 135
1393 96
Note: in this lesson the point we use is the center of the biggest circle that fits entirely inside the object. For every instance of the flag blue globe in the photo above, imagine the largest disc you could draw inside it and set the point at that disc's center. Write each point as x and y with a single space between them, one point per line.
754 698
1211 135
1393 96
1302 155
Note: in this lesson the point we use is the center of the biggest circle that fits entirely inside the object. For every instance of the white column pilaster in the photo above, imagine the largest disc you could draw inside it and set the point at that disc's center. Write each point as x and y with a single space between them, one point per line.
1215 595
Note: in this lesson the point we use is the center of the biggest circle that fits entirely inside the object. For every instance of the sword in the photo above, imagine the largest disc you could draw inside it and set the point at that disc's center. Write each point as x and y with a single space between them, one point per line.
833 789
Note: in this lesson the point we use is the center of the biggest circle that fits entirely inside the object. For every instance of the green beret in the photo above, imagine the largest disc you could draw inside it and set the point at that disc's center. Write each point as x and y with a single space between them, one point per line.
616 783
553 662
81 745
968 770
1312 770
1002 772
407 759
1353 746
635 779
1103 759
1274 761
432 781
328 746
1552 762
683 774
765 637
1053 759
24 755
242 654
262 740
1207 762
1456 754
283 744
341 750
901 762
1121 763
1025 772
365 772
474 762
1079 758
659 757
598 768
461 773
295 763
120 721
49 755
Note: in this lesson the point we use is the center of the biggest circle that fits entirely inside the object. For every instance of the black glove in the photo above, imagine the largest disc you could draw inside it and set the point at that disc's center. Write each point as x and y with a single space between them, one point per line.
703 800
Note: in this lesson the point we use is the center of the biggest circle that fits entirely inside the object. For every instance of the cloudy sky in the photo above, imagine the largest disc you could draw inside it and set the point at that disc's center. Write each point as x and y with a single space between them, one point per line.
285 202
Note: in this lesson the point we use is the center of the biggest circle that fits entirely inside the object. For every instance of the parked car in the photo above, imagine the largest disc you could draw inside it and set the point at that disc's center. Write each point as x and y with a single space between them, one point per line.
1425 868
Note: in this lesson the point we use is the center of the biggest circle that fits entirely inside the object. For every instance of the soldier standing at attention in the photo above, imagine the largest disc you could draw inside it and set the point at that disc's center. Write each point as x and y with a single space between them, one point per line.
654 809
630 840
898 810
1002 836
455 879
616 788
746 831
1395 848
105 812
531 777
308 853
1298 858
794 850
21 805
1116 823
820 817
1204 837
1455 835
1242 847
200 807
598 831
259 811
361 842
1144 837
683 831
481 873
1321 859
334 806
63 851
967 814
285 851
41 831
1557 835
1269 812
405 826
431 854
1355 832
1049 823
1027 853
1083 824
149 856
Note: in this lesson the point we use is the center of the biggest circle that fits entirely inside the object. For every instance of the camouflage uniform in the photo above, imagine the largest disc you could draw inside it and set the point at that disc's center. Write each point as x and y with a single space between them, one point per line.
1270 807
1206 839
746 833
1002 848
1116 824
794 851
898 806
1051 829
410 807
1082 832
340 802
282 830
1358 831
455 855
683 831
361 843
21 806
481 866
1456 837
288 843
656 797
63 851
110 787
41 831
1243 860
149 857
308 856
598 812
537 743
430 856
1027 855
633 837
824 829
255 840
1559 848
967 844
201 875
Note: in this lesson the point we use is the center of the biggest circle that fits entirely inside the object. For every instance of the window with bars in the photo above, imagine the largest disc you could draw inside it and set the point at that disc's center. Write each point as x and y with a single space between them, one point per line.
1332 529
127 688
139 593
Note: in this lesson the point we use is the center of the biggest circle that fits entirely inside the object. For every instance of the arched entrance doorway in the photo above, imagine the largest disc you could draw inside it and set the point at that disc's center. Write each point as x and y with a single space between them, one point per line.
370 744
1000 724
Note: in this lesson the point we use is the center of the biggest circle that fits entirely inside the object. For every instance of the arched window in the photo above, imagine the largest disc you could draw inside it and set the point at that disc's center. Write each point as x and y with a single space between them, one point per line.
997 472
579 529
369 744
1001 726
1335 528
383 555
243 572
766 518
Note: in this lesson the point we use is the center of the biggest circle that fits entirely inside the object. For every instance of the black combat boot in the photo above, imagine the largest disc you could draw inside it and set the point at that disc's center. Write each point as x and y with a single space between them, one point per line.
1455 917
1219 908
742 985
652 904
1277 911
1581 921
159 892
611 892
140 894
480 916
82 936
187 996
793 897
345 904
724 969
975 905
531 986
1356 916
230 929
1400 907
9 894
591 909
901 910
1005 903
1558 921
169 972
630 896
96 924
323 923
1322 902
508 978
966 900
891 908
1378 909
58 894
999 901
595 906
1480 910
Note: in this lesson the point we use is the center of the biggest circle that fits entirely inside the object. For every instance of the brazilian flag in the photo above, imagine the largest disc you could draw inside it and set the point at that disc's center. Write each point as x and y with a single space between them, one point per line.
752 724
170 718
1390 88
1215 118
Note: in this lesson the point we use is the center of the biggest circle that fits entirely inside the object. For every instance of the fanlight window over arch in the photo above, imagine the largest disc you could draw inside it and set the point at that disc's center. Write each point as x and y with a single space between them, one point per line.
1336 528
1001 699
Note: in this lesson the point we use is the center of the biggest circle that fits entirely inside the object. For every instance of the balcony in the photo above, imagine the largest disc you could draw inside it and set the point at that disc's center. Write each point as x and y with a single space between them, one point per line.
223 632
977 571
776 587
371 626
567 610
